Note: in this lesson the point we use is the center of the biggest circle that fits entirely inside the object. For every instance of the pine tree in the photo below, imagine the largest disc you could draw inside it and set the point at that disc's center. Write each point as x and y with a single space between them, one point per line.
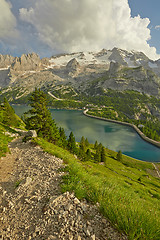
81 154
82 144
72 143
8 113
86 142
97 156
63 138
99 147
82 150
88 155
95 145
8 116
103 154
119 156
40 118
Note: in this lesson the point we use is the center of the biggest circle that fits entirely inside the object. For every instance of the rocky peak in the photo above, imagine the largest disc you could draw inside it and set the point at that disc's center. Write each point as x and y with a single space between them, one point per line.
101 53
73 67
26 62
116 56
6 60
114 67
33 58
73 64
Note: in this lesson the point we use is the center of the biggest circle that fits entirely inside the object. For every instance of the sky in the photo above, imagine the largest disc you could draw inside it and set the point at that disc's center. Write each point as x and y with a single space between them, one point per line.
49 27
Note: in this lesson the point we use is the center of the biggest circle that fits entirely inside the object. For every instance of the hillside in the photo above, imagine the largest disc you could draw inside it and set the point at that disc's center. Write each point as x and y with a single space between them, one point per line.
42 181
126 192
120 189
8 122
33 207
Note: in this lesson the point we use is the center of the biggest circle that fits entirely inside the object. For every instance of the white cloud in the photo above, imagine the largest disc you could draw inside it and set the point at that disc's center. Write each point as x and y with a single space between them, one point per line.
7 21
157 27
78 25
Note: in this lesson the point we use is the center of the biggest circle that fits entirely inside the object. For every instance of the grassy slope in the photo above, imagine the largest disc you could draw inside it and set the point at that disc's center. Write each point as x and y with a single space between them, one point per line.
126 193
4 139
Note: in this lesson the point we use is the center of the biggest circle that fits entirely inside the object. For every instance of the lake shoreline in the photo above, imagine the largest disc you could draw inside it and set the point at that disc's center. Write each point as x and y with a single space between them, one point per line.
72 120
149 140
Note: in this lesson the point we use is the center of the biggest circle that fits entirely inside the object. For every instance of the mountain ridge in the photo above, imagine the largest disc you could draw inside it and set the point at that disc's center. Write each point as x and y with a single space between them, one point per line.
116 69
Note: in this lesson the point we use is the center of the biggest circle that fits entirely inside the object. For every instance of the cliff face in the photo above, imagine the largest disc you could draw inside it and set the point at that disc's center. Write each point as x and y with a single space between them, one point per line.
73 68
139 79
4 78
27 62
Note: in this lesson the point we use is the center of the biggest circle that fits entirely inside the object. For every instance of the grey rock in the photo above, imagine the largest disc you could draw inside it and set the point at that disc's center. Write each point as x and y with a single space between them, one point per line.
6 60
31 133
76 201
27 62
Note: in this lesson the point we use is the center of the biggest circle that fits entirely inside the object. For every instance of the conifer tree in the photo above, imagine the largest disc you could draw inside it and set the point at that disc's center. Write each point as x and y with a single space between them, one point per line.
8 113
86 142
99 147
119 156
63 138
72 143
103 154
8 116
40 118
82 154
82 144
97 156
95 145
88 155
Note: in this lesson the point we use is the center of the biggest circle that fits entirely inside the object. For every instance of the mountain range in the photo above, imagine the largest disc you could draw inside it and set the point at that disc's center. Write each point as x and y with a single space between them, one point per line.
87 72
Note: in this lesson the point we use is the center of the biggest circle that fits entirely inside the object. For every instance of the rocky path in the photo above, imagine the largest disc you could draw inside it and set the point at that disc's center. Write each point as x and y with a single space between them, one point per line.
32 206
156 169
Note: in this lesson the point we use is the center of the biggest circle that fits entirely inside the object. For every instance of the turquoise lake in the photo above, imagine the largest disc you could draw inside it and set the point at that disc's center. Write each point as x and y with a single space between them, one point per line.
111 135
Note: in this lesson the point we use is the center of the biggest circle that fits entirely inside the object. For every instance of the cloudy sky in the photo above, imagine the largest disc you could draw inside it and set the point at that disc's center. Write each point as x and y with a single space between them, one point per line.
48 27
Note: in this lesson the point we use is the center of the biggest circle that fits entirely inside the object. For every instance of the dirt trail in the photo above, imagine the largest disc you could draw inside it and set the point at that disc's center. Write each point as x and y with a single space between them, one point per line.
32 206
7 162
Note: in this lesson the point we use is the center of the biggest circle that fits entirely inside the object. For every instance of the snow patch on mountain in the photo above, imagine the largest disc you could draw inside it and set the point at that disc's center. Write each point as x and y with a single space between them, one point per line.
131 59
84 58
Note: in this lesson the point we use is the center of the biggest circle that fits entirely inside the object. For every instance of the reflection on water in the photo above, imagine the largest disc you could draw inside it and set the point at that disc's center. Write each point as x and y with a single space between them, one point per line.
114 136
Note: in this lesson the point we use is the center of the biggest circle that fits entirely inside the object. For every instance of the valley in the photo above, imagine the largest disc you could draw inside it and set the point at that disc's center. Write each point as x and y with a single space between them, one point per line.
123 189
113 136
116 84
79 120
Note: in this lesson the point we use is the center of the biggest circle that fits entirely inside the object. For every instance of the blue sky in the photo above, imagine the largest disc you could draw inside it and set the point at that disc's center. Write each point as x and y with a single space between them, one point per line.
151 10
50 27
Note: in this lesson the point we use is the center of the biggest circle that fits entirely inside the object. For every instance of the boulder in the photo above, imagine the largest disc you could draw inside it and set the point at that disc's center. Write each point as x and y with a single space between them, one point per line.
31 133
